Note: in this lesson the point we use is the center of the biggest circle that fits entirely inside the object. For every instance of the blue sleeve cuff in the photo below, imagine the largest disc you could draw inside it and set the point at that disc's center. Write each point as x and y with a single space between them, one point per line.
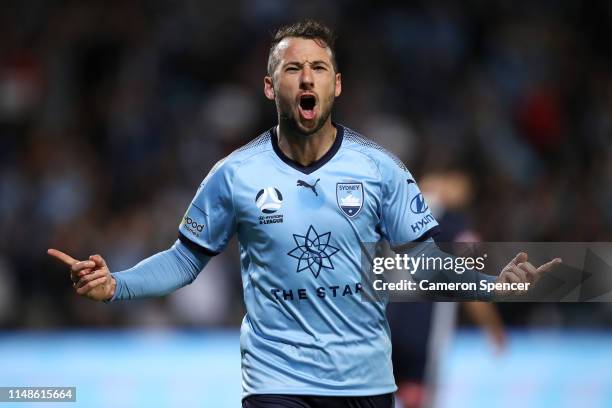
118 288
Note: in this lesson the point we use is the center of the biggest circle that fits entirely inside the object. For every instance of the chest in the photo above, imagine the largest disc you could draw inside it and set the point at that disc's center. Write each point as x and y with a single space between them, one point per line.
279 204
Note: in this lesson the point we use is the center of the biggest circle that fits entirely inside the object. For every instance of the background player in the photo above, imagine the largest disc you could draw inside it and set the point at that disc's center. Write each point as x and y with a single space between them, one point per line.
419 347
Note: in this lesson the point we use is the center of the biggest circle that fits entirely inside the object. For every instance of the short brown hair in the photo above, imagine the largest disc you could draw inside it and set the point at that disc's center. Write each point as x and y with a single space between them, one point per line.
310 29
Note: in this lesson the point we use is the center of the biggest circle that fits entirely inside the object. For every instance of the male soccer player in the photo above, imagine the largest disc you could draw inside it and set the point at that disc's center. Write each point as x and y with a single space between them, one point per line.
301 197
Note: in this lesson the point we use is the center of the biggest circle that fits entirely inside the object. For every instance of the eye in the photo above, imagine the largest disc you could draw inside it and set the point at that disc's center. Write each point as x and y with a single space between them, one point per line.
320 68
291 69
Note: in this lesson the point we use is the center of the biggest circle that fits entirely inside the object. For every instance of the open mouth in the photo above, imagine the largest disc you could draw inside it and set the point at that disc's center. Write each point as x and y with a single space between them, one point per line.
307 106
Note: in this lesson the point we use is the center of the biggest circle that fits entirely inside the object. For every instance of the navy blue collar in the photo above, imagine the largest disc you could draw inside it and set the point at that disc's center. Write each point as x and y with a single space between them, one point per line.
315 165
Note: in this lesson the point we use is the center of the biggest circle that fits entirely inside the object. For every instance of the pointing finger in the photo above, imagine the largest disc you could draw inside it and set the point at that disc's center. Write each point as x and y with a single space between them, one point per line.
65 258
549 265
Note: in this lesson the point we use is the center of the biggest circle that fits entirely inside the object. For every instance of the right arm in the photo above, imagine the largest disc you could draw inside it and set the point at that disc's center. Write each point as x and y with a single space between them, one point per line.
160 274
157 275
204 231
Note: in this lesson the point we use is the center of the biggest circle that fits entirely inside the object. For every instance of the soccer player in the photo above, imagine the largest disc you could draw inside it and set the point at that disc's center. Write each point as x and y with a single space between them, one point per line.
301 197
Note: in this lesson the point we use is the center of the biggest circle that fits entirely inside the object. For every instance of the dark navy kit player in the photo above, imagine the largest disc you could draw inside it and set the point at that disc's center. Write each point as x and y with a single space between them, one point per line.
300 198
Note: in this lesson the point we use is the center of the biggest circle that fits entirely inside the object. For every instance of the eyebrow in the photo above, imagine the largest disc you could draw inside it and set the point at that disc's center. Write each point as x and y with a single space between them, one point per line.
299 64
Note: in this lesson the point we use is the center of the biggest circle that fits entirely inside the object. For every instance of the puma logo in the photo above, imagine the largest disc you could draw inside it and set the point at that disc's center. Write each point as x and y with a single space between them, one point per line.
302 183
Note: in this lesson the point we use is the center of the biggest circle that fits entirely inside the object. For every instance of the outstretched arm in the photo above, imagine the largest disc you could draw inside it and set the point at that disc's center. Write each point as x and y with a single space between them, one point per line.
518 270
157 275
429 249
160 274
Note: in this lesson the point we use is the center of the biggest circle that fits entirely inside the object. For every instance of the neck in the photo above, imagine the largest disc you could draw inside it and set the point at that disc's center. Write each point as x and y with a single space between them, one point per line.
306 149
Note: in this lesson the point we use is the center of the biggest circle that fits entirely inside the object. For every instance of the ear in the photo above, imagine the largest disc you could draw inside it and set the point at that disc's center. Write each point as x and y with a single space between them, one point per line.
338 90
269 88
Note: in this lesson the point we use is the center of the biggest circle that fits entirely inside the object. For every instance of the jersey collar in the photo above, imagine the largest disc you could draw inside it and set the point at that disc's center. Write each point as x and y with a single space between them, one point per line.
315 165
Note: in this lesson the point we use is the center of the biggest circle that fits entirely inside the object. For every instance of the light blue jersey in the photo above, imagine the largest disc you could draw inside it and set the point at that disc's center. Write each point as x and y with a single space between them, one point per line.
306 330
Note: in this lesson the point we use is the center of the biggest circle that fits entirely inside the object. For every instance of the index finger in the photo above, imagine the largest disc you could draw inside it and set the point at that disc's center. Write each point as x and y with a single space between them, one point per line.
65 258
548 266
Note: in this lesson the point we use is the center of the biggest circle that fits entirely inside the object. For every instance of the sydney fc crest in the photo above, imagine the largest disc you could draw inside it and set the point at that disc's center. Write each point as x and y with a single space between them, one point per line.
350 198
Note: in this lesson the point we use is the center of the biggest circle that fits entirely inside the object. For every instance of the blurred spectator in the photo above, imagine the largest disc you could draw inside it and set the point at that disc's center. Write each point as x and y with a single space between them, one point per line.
112 113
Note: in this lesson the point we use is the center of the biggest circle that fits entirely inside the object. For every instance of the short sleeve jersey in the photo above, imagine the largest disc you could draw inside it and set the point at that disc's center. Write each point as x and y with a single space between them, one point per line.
306 328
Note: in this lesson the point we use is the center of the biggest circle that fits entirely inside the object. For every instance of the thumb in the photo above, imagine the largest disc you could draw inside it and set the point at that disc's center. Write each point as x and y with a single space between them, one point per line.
100 262
519 258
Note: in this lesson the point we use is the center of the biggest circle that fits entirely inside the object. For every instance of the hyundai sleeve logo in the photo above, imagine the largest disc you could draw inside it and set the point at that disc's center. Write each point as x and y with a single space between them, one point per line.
418 204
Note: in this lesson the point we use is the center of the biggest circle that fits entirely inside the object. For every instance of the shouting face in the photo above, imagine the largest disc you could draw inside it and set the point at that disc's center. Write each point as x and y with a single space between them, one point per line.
303 84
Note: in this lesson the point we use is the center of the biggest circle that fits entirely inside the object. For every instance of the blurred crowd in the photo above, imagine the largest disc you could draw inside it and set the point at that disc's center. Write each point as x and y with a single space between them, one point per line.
112 112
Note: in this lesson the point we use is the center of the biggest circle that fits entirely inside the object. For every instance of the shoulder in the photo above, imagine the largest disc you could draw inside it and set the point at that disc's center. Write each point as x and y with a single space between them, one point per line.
382 158
228 165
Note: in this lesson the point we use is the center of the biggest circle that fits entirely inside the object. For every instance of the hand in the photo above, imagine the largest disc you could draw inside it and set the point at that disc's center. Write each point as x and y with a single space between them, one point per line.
519 270
90 278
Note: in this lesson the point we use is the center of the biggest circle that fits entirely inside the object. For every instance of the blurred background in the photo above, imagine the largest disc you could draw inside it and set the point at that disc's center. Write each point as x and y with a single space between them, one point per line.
112 112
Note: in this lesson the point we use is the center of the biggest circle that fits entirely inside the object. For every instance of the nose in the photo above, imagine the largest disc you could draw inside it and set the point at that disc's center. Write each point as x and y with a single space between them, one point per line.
306 79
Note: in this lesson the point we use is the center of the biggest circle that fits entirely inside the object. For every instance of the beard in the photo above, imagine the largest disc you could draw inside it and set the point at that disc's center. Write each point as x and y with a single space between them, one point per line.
291 122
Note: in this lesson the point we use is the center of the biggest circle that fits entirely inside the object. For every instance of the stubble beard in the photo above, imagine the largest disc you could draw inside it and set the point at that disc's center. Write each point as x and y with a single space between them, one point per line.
290 122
